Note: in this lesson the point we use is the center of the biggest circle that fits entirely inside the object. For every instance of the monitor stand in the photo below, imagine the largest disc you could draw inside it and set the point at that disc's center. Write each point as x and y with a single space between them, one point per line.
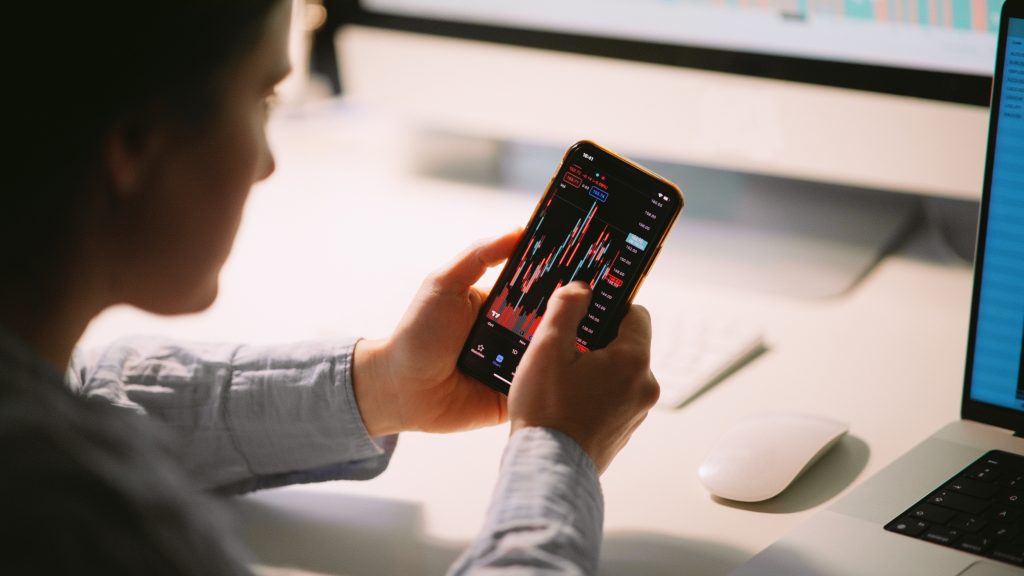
797 238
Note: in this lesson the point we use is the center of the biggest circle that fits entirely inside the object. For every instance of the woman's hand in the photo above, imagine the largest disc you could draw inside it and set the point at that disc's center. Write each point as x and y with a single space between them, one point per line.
409 381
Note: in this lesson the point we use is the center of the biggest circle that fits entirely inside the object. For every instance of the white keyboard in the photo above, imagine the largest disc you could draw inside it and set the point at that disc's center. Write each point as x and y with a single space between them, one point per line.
693 349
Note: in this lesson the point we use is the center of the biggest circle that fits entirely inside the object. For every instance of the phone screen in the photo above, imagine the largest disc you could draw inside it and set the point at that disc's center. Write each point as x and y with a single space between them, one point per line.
602 221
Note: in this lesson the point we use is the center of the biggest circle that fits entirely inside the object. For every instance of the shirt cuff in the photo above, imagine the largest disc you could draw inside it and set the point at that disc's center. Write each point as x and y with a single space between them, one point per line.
306 427
547 512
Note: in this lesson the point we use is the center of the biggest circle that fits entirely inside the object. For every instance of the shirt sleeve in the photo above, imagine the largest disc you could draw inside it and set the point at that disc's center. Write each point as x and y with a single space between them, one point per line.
247 417
546 514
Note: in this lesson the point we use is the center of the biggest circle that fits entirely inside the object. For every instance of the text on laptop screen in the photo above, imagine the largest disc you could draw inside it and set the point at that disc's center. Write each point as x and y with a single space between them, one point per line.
998 368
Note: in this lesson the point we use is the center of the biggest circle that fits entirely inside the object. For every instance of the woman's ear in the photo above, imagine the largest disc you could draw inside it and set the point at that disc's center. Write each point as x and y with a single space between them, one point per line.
132 151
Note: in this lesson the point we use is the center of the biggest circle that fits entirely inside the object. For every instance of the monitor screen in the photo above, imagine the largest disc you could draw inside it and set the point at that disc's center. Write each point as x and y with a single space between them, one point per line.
737 85
950 37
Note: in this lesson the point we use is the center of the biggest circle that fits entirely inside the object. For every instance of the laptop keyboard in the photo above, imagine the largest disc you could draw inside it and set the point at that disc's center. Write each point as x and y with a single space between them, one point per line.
980 510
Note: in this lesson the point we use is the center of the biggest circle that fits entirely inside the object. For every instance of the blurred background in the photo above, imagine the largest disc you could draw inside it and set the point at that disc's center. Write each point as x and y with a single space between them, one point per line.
811 136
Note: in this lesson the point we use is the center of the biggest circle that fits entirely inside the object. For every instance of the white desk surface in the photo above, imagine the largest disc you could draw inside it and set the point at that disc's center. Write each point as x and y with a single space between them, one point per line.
336 243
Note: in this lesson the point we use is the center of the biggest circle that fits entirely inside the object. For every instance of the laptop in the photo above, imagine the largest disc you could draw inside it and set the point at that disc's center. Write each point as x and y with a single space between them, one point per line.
954 504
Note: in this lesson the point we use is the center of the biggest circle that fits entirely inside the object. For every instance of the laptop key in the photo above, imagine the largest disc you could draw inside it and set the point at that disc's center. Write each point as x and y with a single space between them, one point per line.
1012 551
975 543
908 526
1008 555
1010 497
974 488
1002 531
932 513
1014 481
1004 514
958 502
988 471
941 534
968 523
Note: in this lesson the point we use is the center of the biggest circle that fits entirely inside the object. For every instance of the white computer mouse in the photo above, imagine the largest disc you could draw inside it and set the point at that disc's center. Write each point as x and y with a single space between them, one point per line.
762 454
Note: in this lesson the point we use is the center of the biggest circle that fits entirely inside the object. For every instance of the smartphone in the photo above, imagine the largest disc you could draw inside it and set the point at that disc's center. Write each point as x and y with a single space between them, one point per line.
602 220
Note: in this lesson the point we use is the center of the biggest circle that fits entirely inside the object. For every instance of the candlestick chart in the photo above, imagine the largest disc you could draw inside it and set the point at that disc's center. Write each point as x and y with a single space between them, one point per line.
567 243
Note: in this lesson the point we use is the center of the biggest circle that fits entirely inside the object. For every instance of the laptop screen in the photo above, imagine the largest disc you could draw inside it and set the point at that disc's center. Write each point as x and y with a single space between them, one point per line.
996 374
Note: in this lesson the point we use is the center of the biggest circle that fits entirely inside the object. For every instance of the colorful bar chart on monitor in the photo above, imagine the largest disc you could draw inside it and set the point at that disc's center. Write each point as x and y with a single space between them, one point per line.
978 15
939 35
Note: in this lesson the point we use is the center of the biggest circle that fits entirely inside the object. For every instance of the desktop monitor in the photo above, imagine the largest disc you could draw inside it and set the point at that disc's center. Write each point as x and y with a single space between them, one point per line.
837 95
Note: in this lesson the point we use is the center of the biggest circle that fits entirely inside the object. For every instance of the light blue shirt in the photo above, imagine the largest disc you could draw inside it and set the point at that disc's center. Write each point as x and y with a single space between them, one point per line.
242 418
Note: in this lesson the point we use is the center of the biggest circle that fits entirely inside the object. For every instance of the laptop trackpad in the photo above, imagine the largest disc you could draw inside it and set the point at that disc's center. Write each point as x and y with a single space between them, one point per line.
989 569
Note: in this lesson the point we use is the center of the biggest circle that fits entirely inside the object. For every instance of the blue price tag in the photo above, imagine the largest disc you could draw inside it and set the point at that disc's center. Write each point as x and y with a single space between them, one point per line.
636 241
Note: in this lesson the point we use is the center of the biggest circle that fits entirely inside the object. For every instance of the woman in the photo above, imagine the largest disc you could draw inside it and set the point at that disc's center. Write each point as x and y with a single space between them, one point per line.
136 152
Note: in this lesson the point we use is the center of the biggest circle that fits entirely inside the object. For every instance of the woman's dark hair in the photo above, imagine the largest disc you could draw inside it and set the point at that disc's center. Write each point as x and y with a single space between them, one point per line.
79 67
